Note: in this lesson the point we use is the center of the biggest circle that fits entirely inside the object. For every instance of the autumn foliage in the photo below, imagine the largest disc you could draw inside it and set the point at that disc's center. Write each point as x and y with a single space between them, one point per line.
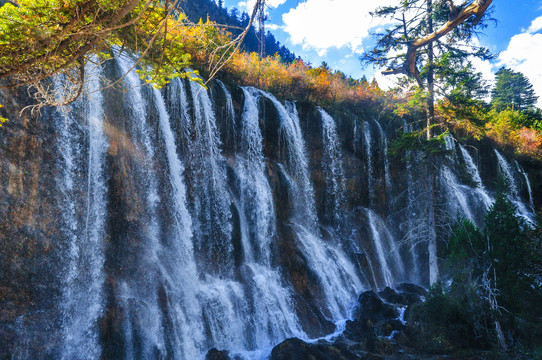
507 128
299 81
294 80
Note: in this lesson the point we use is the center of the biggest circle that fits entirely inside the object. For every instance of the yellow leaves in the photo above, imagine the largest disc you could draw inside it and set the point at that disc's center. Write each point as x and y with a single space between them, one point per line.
2 119
504 128
298 80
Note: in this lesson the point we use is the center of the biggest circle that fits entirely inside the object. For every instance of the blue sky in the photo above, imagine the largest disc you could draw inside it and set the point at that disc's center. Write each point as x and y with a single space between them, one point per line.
337 31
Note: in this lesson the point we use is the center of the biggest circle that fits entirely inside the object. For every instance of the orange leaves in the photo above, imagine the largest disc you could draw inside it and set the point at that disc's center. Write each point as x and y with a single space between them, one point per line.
298 81
294 81
503 127
530 142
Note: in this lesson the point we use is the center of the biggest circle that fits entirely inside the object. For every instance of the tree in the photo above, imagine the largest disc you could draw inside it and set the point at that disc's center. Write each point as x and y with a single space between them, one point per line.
512 90
421 29
42 38
501 262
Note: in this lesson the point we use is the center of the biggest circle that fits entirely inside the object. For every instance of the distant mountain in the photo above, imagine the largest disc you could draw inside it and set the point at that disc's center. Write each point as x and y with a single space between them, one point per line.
200 9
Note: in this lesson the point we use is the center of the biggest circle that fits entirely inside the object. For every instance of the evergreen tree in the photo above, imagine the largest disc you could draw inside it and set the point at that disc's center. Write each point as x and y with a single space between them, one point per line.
421 30
512 90
499 266
424 29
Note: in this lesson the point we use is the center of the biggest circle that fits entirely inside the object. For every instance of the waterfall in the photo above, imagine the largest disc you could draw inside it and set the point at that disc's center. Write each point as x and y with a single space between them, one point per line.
231 128
219 243
83 293
177 260
386 248
337 276
296 162
369 155
412 212
457 199
333 168
458 194
139 296
256 199
211 200
513 190
384 243
475 174
386 273
272 301
528 183
384 143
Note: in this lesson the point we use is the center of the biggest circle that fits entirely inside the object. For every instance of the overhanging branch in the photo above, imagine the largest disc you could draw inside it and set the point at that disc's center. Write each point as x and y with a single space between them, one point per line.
477 9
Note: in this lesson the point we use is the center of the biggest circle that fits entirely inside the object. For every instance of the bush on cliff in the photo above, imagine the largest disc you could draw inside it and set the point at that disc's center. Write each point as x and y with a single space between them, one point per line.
493 296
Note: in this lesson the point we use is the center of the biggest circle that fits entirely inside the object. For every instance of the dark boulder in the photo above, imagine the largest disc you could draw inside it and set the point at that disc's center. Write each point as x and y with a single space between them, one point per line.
375 323
412 289
215 354
405 298
296 349
371 307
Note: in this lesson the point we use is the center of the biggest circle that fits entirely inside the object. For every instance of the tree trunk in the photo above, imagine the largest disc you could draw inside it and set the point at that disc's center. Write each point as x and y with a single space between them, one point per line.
430 75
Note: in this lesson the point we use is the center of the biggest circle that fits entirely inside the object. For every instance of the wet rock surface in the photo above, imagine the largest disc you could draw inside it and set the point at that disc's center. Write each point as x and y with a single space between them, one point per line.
215 354
376 332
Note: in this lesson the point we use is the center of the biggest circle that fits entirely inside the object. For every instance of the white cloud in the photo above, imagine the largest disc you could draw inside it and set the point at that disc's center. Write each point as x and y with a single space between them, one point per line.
248 5
322 24
536 25
486 69
272 27
523 54
386 82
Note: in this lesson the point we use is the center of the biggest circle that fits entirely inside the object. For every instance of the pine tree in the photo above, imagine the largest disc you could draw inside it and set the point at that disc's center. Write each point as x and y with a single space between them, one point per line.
512 90
423 31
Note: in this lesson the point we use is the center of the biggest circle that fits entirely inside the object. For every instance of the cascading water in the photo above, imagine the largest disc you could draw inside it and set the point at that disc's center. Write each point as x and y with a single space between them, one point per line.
256 200
338 278
83 293
368 140
177 260
333 168
458 201
272 299
513 189
528 184
231 128
413 228
211 202
139 295
384 144
384 244
472 170
222 245
292 144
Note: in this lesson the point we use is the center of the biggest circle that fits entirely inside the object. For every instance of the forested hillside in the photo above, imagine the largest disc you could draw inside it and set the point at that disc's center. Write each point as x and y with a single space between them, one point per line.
216 12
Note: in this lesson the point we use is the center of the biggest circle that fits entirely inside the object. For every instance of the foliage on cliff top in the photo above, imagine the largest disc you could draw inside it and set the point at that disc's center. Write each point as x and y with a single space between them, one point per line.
464 112
40 38
515 130
44 38
297 80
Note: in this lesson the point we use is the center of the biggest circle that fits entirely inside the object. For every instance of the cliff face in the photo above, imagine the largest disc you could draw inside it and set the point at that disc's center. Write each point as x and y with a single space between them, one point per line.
148 224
